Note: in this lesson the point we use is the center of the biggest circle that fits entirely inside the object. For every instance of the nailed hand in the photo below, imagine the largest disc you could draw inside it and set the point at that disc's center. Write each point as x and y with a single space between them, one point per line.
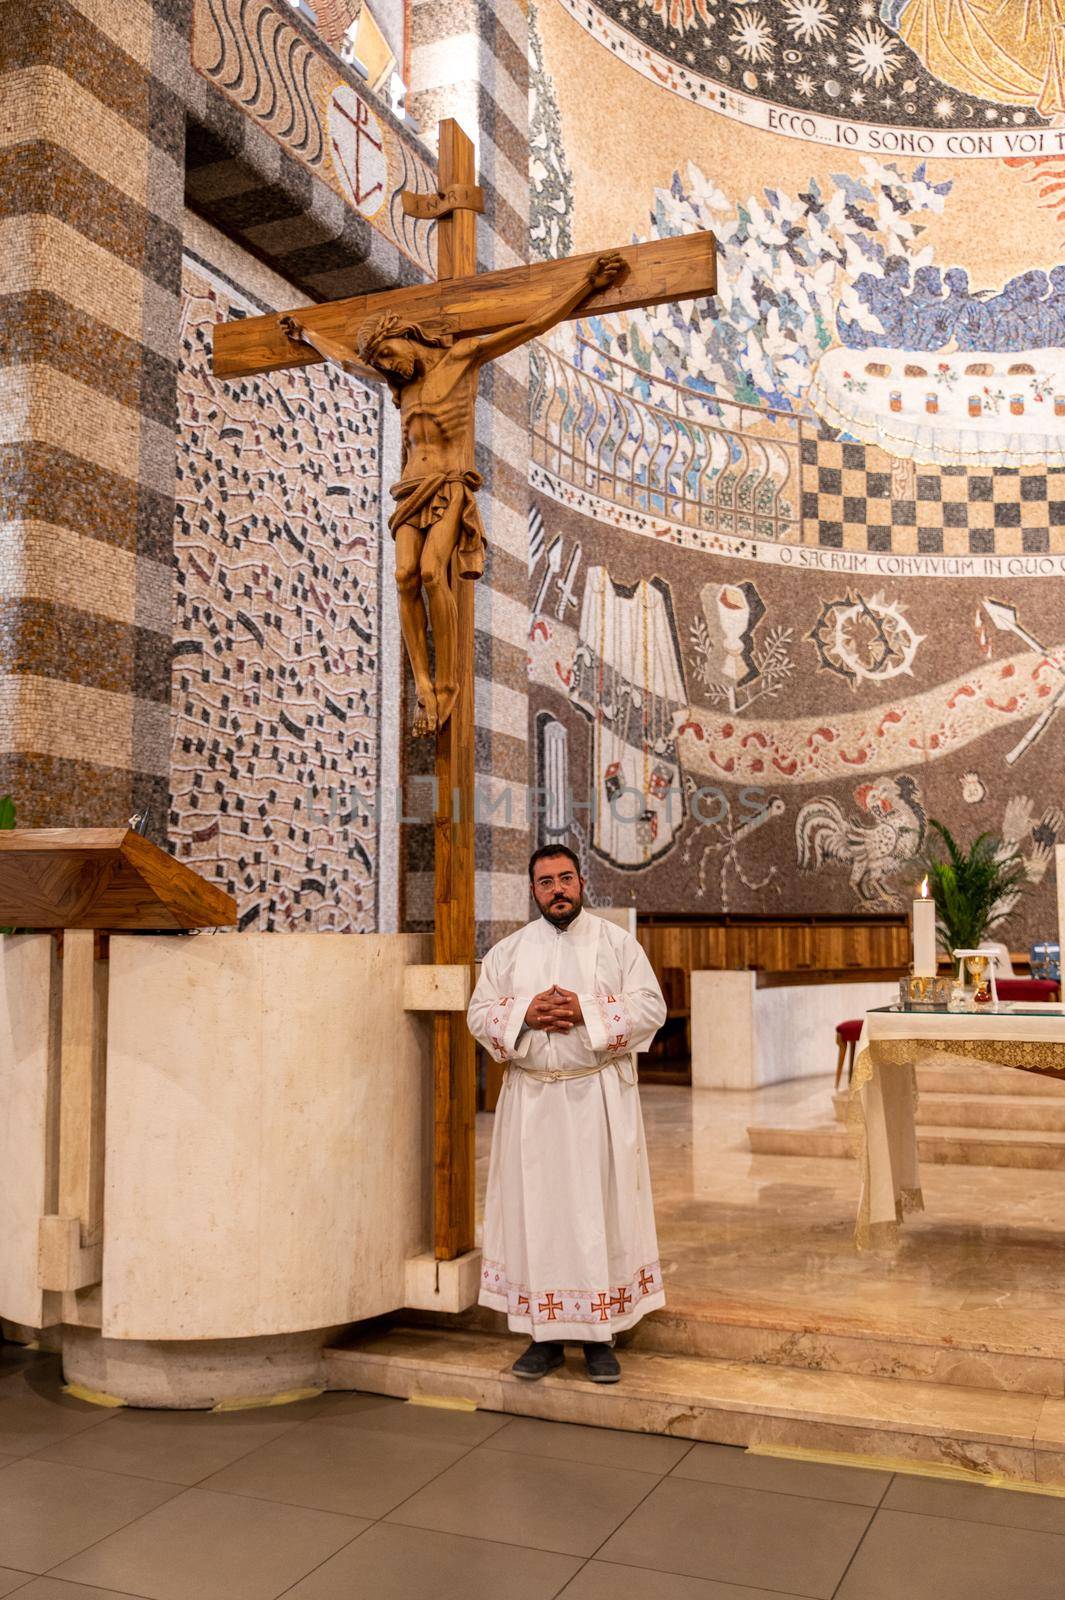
606 270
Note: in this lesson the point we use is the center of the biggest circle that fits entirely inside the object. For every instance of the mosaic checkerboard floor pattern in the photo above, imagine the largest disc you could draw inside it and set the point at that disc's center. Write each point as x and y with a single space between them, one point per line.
852 499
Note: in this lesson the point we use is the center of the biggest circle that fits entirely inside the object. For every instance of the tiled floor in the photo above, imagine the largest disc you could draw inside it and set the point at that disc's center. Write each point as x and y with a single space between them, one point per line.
354 1497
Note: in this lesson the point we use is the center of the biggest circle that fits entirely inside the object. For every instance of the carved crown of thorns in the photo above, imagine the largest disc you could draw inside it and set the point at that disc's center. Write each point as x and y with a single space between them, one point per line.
390 325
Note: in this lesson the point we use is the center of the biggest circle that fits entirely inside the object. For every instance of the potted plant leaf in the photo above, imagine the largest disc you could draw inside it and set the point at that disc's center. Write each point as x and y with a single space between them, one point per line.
7 820
974 888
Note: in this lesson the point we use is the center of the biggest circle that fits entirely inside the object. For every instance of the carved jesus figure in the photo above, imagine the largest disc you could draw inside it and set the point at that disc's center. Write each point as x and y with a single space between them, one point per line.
433 379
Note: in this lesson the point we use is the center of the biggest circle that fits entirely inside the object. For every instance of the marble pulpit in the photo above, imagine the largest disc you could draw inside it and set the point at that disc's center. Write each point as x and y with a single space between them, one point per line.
235 1165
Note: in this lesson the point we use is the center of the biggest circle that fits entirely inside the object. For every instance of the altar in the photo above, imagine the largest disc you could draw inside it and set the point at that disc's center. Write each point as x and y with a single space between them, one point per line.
883 1097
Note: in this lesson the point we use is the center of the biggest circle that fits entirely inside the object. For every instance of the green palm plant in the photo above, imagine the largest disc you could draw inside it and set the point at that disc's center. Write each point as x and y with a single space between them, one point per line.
7 820
974 888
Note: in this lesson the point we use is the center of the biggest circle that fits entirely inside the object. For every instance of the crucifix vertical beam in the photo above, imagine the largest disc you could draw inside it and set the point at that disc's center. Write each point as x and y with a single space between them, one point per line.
454 1051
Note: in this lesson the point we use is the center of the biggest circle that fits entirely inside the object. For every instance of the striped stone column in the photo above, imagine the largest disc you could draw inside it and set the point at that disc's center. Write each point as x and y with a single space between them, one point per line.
91 179
470 61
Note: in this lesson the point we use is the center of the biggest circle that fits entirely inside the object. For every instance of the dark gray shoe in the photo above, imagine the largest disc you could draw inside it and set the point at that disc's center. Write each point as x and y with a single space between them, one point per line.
542 1357
602 1363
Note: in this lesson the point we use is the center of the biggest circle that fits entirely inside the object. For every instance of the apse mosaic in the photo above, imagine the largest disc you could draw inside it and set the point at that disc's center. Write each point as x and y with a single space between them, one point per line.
957 77
834 326
749 671
274 769
841 318
733 736
550 179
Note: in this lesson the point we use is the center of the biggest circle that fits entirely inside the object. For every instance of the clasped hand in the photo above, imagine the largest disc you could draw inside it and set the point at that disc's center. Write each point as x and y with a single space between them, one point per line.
555 1010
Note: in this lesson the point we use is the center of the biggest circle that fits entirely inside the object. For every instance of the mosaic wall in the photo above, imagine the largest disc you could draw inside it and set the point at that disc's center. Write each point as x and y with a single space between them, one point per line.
850 68
268 64
805 537
90 206
748 736
275 770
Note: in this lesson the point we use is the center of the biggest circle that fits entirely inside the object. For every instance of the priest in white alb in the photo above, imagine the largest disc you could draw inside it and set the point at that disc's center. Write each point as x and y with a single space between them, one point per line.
570 1252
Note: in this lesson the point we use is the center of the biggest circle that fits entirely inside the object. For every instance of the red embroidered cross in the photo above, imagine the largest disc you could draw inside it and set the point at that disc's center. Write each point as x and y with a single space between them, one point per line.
602 1306
646 1280
550 1308
523 1302
623 1299
618 1042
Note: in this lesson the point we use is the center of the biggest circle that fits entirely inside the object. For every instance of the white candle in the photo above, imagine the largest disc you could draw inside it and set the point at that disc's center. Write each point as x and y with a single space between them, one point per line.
924 935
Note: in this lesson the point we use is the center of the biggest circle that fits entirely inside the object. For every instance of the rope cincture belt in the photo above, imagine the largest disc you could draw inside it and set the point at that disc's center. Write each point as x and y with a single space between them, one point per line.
561 1074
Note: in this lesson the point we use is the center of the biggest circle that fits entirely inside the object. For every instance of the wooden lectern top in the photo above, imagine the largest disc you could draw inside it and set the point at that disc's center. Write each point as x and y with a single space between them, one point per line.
108 878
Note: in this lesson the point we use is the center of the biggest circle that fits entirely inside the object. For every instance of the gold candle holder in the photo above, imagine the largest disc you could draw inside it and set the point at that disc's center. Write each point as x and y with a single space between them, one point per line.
924 994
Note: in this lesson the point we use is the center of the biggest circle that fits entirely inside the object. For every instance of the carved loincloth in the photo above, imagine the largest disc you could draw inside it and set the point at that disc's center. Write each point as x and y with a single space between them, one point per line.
421 502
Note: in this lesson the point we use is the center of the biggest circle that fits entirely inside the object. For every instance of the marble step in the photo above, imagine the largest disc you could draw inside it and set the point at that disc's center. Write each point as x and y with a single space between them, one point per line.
988 1432
1043 1113
964 1146
924 1344
958 1349
934 1077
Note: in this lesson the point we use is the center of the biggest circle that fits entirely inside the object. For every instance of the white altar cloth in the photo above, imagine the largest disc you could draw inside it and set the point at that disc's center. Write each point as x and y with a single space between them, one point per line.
883 1098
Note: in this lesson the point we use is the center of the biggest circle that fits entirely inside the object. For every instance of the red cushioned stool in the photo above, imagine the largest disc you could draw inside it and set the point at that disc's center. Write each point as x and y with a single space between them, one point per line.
1037 989
847 1036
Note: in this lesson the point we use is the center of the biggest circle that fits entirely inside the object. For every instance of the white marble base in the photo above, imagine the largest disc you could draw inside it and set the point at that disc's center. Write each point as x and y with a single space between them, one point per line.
194 1375
744 1037
267 1158
450 1286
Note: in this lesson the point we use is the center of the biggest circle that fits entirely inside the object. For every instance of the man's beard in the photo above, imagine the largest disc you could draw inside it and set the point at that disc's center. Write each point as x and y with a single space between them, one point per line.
401 368
560 913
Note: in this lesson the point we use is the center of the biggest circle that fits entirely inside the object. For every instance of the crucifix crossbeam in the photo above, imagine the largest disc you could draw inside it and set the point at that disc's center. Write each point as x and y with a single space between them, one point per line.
429 343
666 269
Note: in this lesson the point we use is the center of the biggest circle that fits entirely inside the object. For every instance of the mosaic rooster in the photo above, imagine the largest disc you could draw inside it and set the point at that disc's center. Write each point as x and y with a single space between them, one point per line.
873 845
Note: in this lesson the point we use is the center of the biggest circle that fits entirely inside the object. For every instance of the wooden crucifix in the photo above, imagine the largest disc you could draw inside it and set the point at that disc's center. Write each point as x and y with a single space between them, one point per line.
428 343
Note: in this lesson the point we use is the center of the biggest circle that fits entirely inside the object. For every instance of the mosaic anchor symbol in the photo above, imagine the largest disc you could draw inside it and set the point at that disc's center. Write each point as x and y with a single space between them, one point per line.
1005 619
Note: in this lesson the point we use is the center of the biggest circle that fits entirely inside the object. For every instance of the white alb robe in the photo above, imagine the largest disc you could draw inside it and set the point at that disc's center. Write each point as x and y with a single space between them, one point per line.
570 1250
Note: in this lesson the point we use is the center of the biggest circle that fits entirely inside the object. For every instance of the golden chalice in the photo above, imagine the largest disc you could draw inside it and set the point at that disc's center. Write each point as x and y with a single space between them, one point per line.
980 972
